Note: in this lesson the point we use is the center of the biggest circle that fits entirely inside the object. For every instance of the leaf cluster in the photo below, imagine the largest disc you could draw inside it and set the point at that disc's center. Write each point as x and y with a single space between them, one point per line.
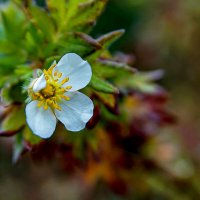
32 37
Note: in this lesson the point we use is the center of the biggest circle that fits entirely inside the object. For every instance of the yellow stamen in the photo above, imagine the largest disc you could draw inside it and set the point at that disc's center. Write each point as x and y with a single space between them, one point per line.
46 78
59 75
66 98
62 90
40 104
65 80
54 92
55 73
56 106
68 87
46 107
48 101
53 98
50 70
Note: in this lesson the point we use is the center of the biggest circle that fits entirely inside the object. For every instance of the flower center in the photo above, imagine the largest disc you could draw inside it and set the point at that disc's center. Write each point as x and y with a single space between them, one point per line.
48 92
54 91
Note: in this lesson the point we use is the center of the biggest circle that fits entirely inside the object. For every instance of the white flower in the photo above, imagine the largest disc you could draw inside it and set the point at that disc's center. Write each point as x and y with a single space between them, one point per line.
54 96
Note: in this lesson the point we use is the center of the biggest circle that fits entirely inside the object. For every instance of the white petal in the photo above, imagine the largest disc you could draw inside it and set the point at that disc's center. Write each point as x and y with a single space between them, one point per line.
39 84
78 70
76 112
41 122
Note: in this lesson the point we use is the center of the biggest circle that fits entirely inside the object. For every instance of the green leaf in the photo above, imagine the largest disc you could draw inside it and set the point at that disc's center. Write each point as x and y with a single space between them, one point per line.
76 15
32 39
89 40
86 14
12 28
101 85
15 119
10 60
36 43
23 71
57 10
112 69
79 43
109 100
37 46
107 39
43 22
142 81
13 18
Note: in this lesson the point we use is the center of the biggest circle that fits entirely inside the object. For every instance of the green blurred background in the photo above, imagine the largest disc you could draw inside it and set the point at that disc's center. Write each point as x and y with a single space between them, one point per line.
160 34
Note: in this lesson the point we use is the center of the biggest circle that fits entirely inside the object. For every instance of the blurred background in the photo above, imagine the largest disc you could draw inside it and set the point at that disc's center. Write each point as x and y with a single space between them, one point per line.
160 34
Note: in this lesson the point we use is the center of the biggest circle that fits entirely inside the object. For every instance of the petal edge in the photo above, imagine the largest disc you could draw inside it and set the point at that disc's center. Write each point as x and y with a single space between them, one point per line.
78 70
41 122
76 112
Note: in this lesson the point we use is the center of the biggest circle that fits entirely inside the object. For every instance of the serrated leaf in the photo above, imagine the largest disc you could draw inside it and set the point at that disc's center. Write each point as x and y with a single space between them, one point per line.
89 40
76 15
78 43
112 69
57 10
86 15
32 39
101 85
42 20
36 43
107 39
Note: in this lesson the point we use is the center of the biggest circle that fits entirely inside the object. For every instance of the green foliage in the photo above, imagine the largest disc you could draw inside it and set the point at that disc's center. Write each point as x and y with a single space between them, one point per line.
12 52
101 85
33 37
15 120
75 15
142 81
